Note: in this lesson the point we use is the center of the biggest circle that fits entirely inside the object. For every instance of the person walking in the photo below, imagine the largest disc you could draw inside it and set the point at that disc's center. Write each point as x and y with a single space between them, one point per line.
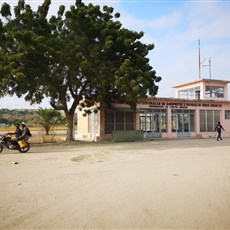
218 128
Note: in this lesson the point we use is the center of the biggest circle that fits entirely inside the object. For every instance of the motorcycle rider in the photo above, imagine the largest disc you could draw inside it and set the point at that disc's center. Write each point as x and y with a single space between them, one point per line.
24 135
17 133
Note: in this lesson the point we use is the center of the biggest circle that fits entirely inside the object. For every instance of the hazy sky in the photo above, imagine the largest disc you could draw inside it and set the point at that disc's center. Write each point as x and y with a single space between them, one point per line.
174 27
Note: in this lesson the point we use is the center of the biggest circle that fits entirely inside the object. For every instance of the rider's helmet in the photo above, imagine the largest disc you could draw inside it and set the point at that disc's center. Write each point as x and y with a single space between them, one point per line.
23 123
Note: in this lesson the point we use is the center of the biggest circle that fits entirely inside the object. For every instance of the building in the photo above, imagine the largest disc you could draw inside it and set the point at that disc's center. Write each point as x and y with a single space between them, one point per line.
195 111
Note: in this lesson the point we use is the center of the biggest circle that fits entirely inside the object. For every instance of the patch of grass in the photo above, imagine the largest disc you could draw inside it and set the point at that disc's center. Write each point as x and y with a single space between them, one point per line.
81 158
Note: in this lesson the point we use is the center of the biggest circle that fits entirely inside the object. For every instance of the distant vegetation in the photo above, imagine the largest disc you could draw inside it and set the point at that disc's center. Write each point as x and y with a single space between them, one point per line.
9 117
46 125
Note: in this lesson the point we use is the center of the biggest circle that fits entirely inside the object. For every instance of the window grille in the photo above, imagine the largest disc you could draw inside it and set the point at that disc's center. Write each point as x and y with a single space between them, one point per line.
119 120
208 120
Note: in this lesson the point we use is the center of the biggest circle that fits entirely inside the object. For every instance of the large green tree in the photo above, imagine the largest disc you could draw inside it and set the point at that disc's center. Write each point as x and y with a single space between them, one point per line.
82 53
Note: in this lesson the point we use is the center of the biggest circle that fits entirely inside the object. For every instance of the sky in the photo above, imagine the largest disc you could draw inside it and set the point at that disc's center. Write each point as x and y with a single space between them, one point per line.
174 27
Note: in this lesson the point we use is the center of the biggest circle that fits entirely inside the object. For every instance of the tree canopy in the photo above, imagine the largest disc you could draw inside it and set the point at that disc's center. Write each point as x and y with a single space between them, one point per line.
82 53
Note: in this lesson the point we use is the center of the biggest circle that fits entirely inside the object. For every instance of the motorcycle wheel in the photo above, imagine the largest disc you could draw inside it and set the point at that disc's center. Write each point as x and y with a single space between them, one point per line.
1 148
8 144
24 149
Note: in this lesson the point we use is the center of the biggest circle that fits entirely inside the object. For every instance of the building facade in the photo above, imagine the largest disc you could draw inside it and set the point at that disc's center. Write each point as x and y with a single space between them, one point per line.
195 111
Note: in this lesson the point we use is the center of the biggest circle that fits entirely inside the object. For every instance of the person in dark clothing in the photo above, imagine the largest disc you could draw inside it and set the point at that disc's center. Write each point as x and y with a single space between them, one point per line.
218 128
24 133
17 133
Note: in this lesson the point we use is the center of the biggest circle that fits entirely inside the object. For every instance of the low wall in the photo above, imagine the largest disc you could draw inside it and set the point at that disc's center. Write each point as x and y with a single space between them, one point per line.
127 135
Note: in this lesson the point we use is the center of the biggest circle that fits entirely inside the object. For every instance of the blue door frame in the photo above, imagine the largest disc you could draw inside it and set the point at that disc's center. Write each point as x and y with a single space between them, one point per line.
152 124
183 125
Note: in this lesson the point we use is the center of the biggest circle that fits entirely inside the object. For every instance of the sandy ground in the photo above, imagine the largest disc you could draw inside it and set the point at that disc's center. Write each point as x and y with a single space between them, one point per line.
160 184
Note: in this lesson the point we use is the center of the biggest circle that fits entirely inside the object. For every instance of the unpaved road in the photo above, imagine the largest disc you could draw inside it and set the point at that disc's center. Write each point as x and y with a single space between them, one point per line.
161 184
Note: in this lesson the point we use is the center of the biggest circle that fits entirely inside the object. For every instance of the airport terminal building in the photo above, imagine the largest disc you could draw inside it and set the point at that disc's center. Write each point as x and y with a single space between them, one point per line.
194 112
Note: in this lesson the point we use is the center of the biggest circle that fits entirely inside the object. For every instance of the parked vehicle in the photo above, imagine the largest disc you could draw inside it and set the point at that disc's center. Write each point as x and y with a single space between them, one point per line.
21 145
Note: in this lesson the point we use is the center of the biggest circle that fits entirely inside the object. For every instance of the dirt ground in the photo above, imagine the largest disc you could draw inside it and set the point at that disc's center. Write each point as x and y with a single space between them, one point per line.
159 184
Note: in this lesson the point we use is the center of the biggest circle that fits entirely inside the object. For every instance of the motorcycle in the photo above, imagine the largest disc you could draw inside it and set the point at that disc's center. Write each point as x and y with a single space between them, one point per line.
20 145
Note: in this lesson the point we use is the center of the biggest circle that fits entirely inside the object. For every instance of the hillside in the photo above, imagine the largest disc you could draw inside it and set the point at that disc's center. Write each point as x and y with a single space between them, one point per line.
8 116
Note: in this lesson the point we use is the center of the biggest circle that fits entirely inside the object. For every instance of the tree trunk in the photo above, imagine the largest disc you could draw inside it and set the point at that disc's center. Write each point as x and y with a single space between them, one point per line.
70 125
47 130
69 113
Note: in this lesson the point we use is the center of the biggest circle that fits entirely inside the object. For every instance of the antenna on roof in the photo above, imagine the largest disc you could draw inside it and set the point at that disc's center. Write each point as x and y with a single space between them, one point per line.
199 57
209 65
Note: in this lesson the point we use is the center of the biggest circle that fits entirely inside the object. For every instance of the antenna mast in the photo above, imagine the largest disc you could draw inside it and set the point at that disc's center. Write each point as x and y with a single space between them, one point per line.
209 66
199 58
210 71
209 63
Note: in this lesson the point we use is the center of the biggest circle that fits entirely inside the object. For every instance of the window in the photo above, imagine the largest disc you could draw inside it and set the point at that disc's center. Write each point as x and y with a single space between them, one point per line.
109 121
153 121
192 121
214 91
163 122
208 120
118 120
202 121
227 114
146 122
183 121
191 93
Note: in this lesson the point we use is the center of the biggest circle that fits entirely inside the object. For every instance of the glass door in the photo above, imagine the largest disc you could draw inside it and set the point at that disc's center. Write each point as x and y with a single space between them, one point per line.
153 123
181 123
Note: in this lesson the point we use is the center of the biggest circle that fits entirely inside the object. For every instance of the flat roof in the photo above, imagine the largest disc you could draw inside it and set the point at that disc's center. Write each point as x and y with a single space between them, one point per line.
183 99
202 80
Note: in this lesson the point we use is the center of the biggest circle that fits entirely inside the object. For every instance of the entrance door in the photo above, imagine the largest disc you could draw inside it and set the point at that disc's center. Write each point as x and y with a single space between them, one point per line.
183 121
153 124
